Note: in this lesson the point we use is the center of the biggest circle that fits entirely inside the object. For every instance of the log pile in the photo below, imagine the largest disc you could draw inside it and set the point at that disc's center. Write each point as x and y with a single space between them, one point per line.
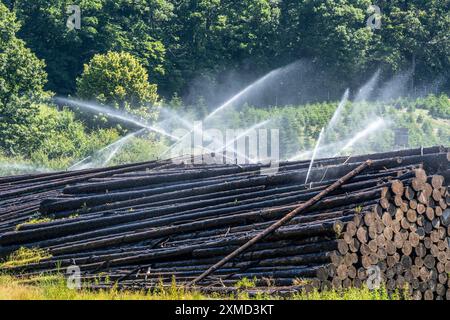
144 225
20 196
404 239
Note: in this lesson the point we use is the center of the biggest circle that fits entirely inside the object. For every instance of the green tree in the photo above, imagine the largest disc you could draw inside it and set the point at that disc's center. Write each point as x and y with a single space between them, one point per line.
176 102
415 35
332 31
214 36
22 79
57 138
138 27
119 80
181 41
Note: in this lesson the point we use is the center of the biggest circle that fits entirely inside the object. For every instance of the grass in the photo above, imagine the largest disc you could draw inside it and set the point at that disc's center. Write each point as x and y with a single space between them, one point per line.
349 294
25 256
246 283
55 288
33 221
41 219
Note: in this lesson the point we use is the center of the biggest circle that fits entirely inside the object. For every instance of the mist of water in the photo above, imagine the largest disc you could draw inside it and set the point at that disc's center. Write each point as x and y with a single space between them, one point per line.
339 134
28 168
194 129
112 154
373 127
174 118
337 113
112 149
336 119
319 140
395 87
265 80
252 87
368 88
205 135
243 134
113 114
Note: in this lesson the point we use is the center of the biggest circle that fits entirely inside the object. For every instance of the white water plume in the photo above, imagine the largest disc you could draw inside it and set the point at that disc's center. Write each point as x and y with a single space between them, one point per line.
307 154
173 117
113 114
326 150
193 129
255 85
336 119
314 155
202 135
367 89
373 127
113 148
23 167
338 111
112 154
243 134
395 87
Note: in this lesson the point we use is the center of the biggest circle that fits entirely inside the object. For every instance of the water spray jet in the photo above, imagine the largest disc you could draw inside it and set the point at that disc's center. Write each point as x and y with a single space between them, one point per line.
113 114
314 155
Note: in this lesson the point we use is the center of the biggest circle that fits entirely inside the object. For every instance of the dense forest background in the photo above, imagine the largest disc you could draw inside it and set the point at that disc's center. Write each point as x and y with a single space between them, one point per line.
186 43
192 55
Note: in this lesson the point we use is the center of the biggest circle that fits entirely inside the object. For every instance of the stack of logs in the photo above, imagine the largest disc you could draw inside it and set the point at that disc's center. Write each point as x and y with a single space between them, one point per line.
146 226
403 240
20 196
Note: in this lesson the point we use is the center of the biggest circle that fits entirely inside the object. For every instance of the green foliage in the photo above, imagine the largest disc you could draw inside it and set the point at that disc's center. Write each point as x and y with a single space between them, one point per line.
122 42
137 27
24 256
33 221
299 126
22 78
246 283
137 150
336 34
117 79
8 26
212 35
57 138
351 294
201 39
438 106
133 149
54 287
